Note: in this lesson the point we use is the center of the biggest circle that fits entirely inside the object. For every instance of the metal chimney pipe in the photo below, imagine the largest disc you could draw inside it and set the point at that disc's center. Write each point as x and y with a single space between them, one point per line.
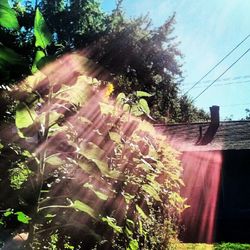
215 115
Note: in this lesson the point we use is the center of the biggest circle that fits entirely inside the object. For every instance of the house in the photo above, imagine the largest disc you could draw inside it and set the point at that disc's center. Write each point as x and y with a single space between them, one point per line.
216 160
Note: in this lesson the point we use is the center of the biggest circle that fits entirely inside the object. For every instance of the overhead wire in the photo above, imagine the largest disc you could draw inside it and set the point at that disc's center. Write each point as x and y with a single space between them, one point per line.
215 66
223 73
223 84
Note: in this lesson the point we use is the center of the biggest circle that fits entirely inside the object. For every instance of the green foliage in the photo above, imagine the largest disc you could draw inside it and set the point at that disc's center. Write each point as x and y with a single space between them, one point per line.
80 206
87 164
41 32
24 116
8 17
19 175
231 246
22 217
152 64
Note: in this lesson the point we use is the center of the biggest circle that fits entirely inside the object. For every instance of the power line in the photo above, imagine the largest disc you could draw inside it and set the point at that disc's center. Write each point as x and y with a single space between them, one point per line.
218 63
221 80
223 84
224 72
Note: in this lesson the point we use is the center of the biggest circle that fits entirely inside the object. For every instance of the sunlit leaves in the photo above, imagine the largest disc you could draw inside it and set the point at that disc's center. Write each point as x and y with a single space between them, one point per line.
133 245
99 194
116 137
94 154
22 217
54 160
112 223
39 55
24 116
8 17
81 206
151 192
41 31
19 175
141 212
143 105
143 94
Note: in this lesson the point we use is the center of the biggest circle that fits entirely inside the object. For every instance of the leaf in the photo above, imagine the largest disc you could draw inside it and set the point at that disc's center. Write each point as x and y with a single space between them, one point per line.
99 194
136 110
7 213
120 98
143 94
54 160
24 116
143 104
141 212
78 205
94 153
151 191
106 108
133 245
22 217
126 107
85 166
50 216
9 56
112 223
39 55
41 31
8 17
114 136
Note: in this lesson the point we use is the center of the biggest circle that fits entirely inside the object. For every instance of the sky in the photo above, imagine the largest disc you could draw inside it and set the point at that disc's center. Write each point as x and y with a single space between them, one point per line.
207 31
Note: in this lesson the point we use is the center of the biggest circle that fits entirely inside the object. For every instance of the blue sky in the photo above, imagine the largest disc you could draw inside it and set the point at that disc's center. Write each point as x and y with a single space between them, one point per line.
207 30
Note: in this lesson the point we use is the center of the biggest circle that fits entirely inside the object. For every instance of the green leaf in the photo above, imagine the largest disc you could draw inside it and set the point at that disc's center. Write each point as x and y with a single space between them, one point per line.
99 194
143 104
78 205
24 116
133 245
151 191
7 213
112 223
54 160
114 136
9 56
22 217
136 110
50 215
143 94
94 154
39 55
120 99
106 108
141 212
41 31
19 175
8 17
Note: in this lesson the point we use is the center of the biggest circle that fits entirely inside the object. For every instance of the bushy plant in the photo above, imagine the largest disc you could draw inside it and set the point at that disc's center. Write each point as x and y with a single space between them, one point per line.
83 172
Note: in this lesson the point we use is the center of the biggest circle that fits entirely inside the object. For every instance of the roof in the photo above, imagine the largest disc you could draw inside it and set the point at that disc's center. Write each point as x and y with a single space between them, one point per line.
230 135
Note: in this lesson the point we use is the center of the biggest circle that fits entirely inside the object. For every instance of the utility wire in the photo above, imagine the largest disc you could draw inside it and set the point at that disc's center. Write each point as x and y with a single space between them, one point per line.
222 74
223 84
221 80
218 63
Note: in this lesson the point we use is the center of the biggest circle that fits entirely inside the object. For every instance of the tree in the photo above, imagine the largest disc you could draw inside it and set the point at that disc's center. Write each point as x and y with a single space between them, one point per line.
135 56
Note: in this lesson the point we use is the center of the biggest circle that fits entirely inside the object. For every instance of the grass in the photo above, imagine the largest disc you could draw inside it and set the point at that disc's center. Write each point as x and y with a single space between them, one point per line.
201 246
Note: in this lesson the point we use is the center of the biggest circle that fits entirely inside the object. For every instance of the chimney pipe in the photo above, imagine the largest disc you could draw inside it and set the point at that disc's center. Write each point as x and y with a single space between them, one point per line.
215 115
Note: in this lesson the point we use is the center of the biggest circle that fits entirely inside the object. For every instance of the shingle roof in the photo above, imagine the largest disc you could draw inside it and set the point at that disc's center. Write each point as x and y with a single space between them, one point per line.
228 135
